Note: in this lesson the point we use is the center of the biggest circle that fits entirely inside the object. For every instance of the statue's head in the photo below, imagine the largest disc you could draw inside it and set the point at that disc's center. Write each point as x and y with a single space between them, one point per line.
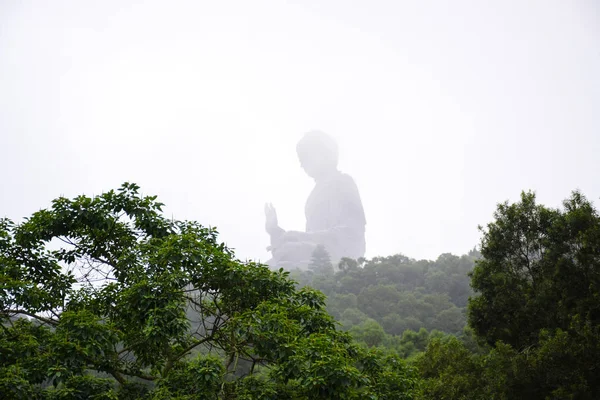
318 154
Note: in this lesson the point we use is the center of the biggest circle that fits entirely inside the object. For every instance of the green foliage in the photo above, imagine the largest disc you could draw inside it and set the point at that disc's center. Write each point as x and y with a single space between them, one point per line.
320 262
369 332
84 387
392 378
450 371
105 298
378 300
14 384
539 287
539 270
536 307
200 377
411 342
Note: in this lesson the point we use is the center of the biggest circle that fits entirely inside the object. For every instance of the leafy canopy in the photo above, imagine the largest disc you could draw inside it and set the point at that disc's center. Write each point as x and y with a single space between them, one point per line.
536 308
103 297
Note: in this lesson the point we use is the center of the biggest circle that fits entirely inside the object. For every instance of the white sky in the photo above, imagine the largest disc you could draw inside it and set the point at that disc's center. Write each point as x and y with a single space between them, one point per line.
441 108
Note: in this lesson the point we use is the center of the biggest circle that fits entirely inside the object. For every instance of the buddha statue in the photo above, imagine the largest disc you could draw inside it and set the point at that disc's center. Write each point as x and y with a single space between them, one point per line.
334 213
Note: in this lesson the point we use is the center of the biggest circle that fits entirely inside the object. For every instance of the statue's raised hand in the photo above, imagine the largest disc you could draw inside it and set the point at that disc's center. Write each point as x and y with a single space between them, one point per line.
271 223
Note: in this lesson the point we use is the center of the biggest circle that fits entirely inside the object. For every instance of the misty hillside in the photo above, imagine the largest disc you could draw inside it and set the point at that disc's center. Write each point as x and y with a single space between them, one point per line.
299 200
394 294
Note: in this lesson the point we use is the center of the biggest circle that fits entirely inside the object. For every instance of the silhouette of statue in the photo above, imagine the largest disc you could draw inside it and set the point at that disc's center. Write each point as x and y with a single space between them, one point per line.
334 213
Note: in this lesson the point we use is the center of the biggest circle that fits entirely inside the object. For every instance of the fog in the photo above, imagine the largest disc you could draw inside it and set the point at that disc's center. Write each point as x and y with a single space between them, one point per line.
440 109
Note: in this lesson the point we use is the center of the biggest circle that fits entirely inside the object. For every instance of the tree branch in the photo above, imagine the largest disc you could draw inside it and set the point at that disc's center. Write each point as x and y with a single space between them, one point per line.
29 314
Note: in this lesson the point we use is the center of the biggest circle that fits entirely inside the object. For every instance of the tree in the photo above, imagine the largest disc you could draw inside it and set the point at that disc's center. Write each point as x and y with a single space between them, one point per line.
539 270
320 261
369 332
450 371
537 288
104 297
379 300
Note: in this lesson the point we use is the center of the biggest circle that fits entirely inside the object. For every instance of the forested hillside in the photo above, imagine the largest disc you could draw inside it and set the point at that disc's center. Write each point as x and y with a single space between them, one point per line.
533 311
105 298
378 300
127 304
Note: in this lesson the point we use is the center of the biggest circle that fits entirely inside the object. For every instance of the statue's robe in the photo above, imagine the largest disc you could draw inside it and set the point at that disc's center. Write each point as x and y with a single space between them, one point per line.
335 218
